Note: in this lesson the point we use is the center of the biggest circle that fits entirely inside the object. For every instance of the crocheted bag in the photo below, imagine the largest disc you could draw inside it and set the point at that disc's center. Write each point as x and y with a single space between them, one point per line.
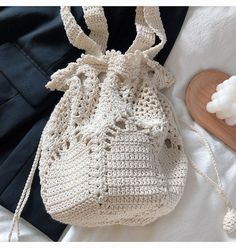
111 152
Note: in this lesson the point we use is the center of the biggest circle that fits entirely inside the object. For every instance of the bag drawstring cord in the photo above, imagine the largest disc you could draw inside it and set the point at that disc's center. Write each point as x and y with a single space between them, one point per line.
229 220
24 196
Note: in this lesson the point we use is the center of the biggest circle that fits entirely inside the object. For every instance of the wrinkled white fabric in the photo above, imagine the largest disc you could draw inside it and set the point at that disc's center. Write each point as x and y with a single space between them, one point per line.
206 41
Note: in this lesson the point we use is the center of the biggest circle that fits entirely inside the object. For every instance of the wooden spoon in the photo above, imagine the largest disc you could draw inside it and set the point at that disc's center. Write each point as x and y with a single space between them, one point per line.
198 94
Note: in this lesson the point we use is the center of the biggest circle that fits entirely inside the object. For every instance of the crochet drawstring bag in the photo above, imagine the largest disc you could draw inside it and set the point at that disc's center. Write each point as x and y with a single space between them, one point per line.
111 152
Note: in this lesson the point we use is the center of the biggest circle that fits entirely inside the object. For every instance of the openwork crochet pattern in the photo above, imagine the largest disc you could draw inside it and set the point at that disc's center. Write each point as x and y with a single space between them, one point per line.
111 151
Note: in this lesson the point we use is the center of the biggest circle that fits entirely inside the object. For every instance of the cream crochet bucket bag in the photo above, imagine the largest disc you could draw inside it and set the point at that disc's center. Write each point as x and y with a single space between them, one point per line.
111 152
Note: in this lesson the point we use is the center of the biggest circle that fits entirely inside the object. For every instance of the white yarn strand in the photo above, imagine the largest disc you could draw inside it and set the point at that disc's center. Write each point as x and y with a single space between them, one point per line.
24 196
229 220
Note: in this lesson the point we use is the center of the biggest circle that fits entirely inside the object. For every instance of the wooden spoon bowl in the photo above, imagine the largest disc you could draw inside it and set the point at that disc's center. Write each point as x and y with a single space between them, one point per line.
198 94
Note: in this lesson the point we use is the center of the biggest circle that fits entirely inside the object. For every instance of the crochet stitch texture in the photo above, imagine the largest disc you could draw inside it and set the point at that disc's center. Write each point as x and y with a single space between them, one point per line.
111 152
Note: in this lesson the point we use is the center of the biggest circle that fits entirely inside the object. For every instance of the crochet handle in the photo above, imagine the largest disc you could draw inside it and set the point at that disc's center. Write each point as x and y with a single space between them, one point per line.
97 23
94 44
148 26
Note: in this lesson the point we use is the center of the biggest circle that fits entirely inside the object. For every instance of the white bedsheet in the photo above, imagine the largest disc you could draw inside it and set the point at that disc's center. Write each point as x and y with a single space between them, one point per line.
207 40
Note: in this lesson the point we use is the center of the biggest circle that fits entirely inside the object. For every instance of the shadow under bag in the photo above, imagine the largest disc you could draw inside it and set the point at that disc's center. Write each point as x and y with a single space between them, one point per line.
111 152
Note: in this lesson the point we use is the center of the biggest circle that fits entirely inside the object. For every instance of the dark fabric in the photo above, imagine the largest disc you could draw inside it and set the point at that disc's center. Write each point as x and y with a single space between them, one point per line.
33 45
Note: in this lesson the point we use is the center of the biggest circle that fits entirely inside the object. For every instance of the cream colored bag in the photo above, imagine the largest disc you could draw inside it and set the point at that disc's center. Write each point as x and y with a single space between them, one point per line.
111 152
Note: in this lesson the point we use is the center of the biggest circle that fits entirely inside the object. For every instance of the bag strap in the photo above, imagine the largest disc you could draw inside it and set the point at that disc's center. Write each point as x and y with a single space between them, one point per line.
76 35
97 23
148 25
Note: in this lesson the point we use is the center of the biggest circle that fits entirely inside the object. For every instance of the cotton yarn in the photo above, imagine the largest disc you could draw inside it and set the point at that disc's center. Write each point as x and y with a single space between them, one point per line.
111 151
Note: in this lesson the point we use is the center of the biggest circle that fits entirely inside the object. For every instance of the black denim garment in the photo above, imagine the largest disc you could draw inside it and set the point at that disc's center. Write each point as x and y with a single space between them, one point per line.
33 45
